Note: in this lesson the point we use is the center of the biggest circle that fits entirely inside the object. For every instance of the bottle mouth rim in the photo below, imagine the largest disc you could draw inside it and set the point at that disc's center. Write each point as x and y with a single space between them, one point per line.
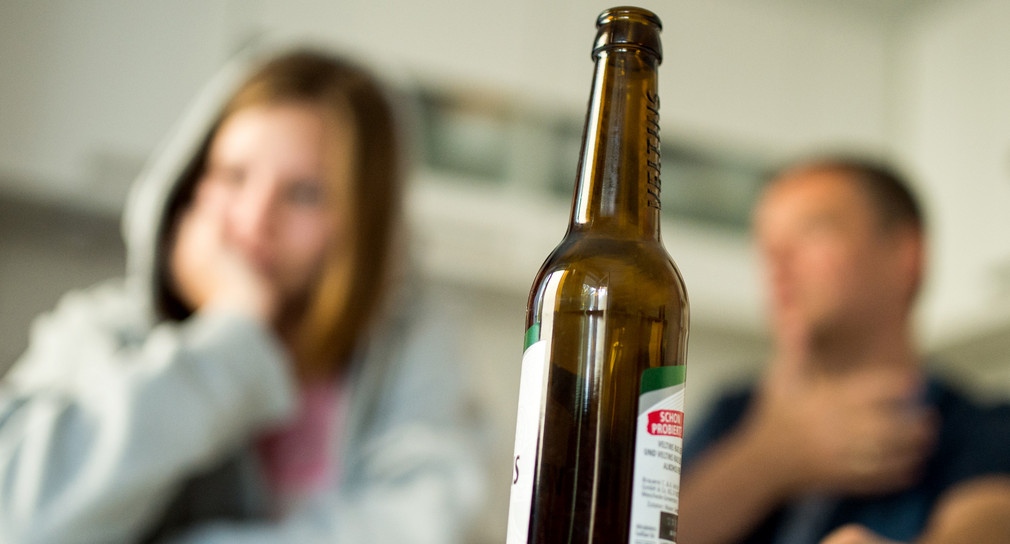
628 27
631 14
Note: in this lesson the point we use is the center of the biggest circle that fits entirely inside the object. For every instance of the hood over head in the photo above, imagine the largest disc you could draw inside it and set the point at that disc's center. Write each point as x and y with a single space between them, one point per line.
148 205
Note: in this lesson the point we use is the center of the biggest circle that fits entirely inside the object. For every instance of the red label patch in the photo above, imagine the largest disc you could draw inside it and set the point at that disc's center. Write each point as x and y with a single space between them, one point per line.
666 423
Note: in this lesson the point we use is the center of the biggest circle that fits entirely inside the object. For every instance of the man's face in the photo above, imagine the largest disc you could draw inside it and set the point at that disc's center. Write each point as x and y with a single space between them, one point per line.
828 262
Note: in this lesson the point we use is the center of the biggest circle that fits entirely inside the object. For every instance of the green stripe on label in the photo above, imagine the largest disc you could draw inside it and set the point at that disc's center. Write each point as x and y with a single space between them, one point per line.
532 335
664 376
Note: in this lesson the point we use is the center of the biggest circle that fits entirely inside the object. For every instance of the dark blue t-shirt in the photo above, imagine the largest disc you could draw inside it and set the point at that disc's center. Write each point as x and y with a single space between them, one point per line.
973 440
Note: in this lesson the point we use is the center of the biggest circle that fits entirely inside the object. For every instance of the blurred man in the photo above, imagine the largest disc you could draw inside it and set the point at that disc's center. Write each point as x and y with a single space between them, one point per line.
845 426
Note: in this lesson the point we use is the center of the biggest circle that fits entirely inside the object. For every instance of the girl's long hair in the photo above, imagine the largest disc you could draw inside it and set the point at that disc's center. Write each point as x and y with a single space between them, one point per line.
344 302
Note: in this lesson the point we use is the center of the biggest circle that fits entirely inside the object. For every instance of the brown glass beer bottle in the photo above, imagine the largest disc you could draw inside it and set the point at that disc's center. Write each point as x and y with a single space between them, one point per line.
600 419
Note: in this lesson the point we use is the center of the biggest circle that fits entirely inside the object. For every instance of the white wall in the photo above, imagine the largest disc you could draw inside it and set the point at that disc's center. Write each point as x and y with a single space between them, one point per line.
772 76
89 88
953 105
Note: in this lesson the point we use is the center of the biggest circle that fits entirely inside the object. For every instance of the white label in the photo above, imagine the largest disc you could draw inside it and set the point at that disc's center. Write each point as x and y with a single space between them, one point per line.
528 417
658 445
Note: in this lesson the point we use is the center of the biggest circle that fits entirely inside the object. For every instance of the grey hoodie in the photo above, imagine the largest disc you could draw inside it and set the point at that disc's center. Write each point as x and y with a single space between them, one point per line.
117 426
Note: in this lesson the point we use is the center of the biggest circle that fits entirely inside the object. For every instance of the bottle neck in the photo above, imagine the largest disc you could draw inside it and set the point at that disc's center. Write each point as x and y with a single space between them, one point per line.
617 191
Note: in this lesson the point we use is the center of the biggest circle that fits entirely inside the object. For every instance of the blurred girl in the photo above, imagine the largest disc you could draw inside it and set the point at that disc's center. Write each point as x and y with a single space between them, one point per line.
256 377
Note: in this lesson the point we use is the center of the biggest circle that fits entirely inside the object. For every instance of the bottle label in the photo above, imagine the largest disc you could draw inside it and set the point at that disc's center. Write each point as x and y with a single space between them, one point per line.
659 441
528 418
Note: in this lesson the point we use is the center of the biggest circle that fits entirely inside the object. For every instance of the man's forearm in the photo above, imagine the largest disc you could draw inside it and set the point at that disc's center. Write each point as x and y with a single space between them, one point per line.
728 492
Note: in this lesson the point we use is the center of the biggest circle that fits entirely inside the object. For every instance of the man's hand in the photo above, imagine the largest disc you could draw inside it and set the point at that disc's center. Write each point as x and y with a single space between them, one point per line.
850 431
976 511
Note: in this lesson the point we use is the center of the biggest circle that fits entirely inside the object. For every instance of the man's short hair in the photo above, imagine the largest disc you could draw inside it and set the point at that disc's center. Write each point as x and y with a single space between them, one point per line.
886 188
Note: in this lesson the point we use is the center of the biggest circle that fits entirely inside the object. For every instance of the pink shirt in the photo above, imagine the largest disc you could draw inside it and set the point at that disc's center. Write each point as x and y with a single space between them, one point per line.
300 459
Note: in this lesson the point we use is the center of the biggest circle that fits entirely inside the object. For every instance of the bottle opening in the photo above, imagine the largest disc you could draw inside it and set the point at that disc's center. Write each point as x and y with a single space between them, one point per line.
628 26
629 13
